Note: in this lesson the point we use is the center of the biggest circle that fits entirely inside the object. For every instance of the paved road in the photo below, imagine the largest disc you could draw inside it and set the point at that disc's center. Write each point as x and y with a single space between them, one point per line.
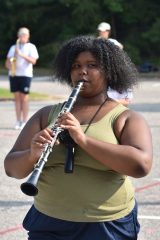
14 204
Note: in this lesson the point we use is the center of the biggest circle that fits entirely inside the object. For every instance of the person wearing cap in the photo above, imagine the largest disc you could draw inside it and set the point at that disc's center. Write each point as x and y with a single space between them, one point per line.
20 60
104 31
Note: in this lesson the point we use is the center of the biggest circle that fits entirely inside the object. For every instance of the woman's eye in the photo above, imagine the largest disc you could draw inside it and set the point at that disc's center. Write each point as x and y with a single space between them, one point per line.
89 65
92 65
75 66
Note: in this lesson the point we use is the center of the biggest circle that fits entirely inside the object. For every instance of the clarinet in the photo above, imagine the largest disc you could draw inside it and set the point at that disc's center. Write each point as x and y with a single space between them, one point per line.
30 186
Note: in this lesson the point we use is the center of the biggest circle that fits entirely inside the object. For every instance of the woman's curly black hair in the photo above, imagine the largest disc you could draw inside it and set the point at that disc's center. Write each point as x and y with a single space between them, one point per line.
121 73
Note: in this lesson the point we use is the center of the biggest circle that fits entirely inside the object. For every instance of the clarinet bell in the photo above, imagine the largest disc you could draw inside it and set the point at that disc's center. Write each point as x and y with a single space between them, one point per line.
29 189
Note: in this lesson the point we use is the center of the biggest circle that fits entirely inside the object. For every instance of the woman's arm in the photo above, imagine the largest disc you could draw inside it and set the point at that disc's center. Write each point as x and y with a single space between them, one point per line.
26 151
133 156
27 58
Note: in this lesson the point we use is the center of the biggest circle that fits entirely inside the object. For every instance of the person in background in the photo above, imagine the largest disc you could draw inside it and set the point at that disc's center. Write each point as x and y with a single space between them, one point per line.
96 201
104 31
20 60
125 98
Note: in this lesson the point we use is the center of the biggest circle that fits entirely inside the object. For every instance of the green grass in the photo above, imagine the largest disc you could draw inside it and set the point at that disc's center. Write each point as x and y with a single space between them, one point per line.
5 94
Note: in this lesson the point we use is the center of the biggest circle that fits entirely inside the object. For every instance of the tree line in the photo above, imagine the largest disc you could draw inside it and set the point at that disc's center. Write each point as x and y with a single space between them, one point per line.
135 24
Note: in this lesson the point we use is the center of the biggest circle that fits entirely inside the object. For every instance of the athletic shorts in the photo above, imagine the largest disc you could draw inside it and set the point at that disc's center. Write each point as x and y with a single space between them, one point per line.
20 84
43 227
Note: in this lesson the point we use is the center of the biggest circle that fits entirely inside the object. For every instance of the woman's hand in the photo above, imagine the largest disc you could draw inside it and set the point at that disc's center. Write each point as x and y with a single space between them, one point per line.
38 143
26 151
69 122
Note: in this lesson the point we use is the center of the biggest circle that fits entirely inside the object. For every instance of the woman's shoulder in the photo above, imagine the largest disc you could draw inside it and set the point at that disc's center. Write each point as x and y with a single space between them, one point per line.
45 115
117 109
48 114
129 113
128 117
44 109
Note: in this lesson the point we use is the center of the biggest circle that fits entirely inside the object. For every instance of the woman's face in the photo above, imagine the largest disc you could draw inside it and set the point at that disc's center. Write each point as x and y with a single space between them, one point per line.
86 67
24 38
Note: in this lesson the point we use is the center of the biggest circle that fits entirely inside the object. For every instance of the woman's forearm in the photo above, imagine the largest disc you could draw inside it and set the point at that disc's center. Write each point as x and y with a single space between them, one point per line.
125 159
18 164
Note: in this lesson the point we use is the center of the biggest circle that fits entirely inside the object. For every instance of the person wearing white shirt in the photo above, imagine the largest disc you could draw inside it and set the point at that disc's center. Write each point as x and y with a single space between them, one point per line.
104 31
20 60
125 98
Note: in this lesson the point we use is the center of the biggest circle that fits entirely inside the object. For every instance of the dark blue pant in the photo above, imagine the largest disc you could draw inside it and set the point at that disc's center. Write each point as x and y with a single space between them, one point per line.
42 227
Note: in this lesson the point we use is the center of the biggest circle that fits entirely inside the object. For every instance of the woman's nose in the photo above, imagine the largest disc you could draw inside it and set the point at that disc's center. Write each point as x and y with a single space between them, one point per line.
83 70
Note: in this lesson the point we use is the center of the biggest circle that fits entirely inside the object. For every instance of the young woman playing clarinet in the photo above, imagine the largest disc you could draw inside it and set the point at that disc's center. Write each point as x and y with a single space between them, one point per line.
96 201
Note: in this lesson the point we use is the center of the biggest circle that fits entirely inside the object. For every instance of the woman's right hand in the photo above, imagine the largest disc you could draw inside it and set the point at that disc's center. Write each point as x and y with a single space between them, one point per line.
38 143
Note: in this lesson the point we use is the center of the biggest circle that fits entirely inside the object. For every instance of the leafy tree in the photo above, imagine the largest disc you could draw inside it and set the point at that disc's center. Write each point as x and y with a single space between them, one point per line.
134 23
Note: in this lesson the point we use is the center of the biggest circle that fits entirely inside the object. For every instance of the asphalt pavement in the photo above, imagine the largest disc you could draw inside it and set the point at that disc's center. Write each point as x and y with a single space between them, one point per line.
14 204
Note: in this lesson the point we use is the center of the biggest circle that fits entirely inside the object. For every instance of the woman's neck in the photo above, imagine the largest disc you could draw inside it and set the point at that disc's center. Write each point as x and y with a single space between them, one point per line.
95 100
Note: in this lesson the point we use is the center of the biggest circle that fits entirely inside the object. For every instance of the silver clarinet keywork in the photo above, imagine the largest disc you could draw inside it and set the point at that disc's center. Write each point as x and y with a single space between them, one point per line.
30 186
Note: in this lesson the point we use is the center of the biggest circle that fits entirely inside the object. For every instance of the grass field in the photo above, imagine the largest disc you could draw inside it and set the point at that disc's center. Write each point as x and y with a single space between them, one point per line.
5 94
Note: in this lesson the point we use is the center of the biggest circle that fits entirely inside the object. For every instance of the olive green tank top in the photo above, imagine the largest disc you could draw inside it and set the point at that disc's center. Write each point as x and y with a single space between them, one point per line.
93 192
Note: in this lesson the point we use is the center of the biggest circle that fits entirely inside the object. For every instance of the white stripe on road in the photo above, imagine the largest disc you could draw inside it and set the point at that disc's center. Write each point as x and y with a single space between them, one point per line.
149 217
155 84
158 179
